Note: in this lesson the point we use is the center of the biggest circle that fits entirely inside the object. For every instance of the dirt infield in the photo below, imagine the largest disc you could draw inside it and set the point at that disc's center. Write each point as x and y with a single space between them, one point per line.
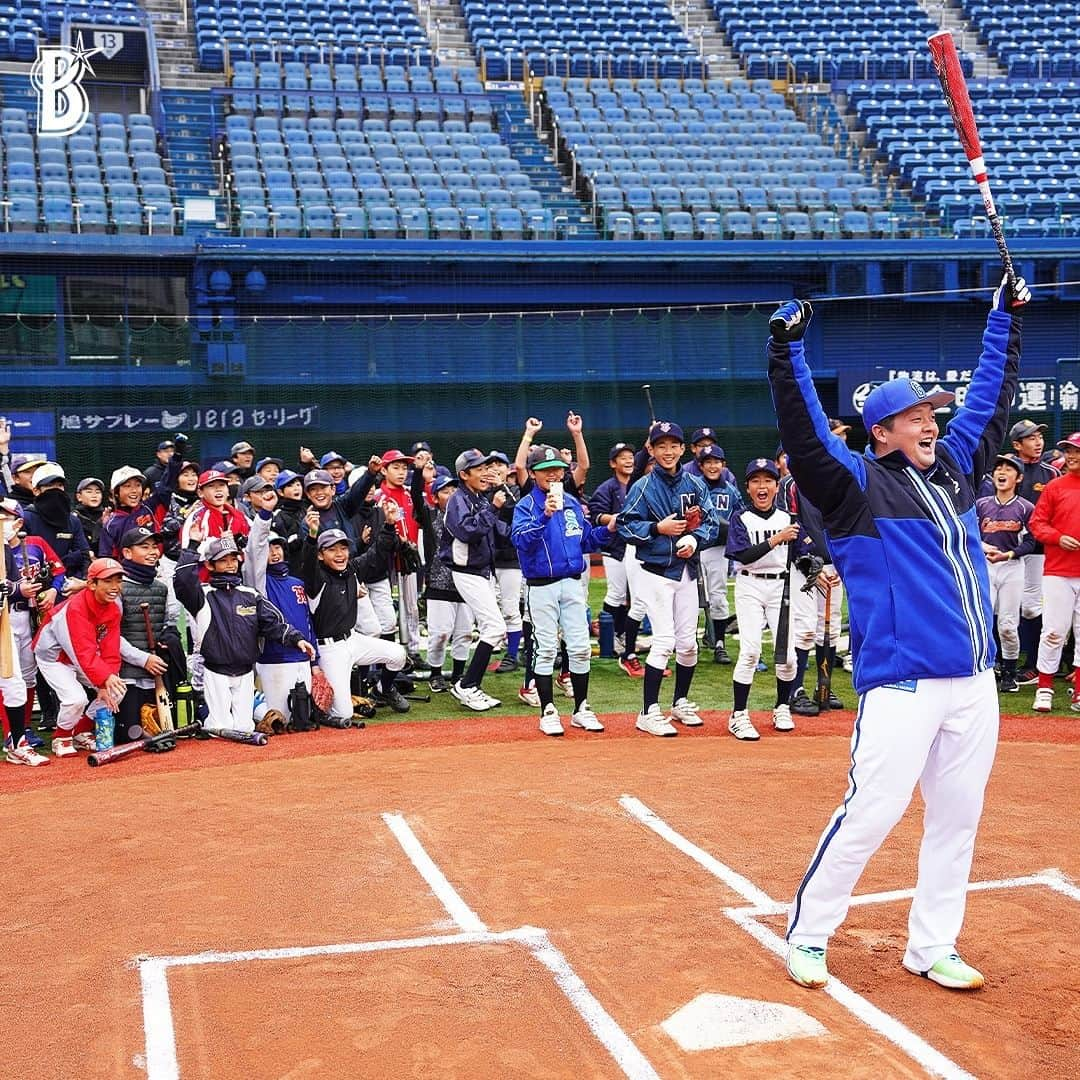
228 848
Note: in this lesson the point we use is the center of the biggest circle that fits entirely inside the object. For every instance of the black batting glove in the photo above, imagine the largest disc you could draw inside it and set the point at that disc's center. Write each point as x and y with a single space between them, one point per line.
790 320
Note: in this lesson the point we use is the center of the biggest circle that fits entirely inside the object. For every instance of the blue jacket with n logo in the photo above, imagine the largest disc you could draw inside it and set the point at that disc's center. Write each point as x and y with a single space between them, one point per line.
906 542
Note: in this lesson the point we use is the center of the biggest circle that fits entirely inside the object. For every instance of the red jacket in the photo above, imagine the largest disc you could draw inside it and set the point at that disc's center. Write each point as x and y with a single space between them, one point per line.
1057 513
83 634
407 527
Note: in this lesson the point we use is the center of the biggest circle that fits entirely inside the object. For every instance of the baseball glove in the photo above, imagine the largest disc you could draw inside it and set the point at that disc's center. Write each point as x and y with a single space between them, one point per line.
409 556
149 720
322 693
363 707
271 722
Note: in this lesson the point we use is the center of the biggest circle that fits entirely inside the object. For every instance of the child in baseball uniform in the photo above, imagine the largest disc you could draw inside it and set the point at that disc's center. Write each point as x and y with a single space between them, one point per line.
667 516
230 618
468 548
1055 523
1003 525
604 506
552 537
333 578
759 540
724 496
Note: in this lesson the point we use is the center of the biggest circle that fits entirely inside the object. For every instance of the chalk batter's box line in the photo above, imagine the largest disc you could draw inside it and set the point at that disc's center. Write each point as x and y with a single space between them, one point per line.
761 904
159 1027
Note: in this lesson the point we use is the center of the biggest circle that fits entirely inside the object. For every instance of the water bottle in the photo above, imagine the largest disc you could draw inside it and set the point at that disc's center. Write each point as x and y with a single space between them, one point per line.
185 704
104 722
607 636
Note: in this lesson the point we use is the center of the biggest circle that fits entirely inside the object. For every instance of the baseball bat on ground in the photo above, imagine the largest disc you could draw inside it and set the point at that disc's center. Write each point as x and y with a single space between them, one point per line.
954 86
250 738
648 400
150 743
161 695
824 684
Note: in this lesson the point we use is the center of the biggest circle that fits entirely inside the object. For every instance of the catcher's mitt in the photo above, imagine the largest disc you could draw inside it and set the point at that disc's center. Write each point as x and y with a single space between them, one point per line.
272 722
363 706
322 693
149 720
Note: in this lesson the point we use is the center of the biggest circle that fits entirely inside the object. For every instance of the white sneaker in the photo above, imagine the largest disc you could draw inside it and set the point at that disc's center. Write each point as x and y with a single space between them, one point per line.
25 754
686 712
1044 699
84 741
586 719
530 696
550 723
489 701
739 725
62 746
655 722
781 718
564 684
471 697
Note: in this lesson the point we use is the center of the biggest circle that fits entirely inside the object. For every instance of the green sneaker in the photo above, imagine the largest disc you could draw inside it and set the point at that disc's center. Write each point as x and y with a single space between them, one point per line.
806 965
952 972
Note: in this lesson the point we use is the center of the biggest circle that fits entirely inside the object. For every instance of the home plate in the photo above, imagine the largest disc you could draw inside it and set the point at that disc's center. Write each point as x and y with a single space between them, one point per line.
713 1021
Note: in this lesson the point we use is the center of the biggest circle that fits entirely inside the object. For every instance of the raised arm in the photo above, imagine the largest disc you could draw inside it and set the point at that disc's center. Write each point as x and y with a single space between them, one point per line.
822 465
521 457
975 433
581 452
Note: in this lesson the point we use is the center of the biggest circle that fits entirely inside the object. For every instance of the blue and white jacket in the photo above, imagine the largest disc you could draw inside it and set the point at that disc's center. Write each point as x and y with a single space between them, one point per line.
906 542
552 548
654 497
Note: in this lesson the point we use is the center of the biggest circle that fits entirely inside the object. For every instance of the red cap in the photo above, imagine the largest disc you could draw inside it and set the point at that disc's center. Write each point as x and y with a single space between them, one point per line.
1073 440
394 455
103 568
210 475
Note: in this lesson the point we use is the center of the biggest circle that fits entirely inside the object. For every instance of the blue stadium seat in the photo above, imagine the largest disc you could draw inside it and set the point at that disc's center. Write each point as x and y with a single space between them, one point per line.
446 223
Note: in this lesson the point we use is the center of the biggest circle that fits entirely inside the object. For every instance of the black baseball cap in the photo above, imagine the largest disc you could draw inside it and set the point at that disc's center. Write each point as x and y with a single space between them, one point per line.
134 537
166 444
90 481
1023 428
617 449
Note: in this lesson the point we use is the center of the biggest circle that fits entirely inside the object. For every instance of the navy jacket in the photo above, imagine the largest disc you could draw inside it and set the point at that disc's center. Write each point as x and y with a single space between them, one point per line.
609 498
655 496
468 539
229 616
906 542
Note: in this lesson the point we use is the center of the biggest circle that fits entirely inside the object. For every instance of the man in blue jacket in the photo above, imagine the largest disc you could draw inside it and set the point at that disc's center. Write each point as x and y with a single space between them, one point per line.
552 536
667 516
902 526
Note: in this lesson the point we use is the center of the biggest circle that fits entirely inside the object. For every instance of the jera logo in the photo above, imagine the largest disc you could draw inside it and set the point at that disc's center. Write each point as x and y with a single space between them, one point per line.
57 76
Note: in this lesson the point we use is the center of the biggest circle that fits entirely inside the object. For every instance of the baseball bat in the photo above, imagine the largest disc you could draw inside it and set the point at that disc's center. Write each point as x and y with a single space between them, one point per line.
115 753
28 575
954 88
648 399
161 694
337 721
824 686
7 655
250 738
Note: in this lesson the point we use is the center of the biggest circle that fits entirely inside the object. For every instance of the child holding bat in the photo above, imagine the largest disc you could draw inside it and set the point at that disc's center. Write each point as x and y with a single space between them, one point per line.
229 619
148 611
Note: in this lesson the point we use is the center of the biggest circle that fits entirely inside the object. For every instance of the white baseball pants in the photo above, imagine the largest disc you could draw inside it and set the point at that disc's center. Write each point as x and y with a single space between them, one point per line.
633 574
277 682
1061 610
940 734
230 700
367 620
804 612
448 623
757 601
1032 604
338 658
24 646
1006 593
714 564
479 594
13 687
508 580
68 688
382 600
615 578
409 611
672 607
